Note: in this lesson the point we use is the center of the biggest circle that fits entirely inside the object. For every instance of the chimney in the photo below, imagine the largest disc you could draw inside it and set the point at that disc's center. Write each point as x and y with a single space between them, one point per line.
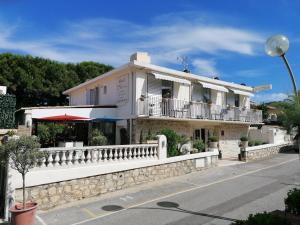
141 57
3 90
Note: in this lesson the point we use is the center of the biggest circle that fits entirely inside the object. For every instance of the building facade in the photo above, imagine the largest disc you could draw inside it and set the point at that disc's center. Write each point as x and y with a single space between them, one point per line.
148 97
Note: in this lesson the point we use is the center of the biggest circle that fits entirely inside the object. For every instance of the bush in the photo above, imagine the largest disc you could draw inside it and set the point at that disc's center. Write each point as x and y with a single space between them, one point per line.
98 138
257 142
263 219
151 136
244 138
199 145
213 139
48 132
292 201
172 142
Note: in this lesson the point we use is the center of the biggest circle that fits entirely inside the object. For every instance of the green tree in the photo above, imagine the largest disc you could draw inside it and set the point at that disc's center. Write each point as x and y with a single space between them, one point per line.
36 81
23 153
98 138
291 117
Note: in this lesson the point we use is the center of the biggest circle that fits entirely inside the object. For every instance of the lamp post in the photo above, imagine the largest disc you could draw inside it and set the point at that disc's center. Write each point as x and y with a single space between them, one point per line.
278 45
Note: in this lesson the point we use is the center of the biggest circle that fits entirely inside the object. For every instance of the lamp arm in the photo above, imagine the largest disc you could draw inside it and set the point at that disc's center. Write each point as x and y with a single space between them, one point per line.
290 73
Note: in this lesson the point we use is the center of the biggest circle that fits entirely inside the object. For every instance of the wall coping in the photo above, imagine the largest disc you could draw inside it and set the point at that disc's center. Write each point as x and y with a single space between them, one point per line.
40 176
261 147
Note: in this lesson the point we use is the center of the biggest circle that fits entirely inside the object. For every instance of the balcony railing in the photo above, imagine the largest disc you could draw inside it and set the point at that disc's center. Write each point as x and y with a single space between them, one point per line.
165 107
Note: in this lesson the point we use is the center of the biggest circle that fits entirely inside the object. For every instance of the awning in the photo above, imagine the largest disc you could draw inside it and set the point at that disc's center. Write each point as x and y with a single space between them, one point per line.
170 78
213 86
105 119
238 92
63 118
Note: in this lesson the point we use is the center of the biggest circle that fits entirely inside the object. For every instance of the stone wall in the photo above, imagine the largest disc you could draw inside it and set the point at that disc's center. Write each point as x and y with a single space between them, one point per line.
54 194
265 151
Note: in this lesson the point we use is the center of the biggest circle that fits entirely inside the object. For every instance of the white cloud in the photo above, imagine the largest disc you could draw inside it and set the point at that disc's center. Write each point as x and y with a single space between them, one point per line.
112 41
206 67
269 97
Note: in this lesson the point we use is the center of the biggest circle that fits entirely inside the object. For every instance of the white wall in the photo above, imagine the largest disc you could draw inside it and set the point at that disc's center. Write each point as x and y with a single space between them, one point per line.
267 134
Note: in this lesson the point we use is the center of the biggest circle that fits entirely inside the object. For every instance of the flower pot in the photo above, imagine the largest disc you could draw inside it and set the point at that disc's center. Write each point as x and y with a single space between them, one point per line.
152 141
244 144
20 216
213 144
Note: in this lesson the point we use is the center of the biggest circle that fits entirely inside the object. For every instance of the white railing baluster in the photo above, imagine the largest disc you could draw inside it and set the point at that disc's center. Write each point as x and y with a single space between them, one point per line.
50 160
63 158
105 155
69 158
56 159
82 157
88 156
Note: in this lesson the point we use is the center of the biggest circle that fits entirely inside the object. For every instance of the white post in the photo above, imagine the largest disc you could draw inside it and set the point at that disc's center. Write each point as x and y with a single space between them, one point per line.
162 146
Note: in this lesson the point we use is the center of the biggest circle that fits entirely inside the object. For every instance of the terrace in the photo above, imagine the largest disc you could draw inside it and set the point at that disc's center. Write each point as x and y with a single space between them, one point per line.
175 108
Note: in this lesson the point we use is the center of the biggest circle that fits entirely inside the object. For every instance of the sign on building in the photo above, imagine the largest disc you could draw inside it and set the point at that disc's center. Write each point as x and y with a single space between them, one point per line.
123 89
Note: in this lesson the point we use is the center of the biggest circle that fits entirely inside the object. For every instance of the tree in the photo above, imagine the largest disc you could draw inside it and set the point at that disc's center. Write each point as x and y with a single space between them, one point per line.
22 154
291 117
47 132
36 81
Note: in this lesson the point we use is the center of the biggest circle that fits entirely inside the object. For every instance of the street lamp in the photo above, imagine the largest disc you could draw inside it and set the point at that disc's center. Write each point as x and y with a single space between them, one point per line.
278 45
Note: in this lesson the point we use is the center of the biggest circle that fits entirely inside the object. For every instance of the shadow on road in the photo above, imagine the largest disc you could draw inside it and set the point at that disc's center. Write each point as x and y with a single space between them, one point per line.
170 206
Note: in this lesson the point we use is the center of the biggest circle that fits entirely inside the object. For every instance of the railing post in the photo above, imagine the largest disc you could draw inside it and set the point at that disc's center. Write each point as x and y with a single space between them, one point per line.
162 147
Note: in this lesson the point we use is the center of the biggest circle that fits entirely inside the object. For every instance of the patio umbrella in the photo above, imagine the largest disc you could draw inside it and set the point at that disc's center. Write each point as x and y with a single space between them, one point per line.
64 118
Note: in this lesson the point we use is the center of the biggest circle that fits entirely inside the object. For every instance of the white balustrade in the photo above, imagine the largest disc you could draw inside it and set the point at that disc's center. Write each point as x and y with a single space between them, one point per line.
80 156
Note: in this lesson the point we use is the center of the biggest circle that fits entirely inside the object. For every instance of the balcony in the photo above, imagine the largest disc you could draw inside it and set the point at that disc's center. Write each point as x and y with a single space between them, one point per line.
175 108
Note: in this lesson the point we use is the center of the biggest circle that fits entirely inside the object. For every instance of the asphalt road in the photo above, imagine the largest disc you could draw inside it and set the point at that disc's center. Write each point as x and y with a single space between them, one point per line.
213 197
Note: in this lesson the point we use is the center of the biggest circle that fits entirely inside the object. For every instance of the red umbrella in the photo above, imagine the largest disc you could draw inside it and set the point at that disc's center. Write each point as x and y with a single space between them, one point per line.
64 118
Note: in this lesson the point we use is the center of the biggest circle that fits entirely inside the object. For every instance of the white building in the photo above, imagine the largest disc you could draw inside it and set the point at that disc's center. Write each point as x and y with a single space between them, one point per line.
140 96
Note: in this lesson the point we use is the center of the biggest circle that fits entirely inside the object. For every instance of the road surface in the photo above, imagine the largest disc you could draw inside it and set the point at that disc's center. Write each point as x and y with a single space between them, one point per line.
215 196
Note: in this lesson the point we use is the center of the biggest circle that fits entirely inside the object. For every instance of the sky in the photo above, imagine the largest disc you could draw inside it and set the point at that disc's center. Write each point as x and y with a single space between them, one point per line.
223 38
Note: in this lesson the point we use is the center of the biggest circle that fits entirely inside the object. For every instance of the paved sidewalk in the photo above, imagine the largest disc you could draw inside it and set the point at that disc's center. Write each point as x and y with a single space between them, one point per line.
222 194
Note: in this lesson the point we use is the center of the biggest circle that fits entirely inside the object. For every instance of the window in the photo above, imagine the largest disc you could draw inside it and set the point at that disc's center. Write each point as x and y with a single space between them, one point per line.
199 134
206 94
104 89
167 89
236 100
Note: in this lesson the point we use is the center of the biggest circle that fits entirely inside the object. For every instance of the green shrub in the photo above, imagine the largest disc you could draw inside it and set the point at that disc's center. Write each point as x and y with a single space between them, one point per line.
292 201
172 142
251 143
48 132
98 138
199 145
244 138
263 219
151 136
213 139
257 142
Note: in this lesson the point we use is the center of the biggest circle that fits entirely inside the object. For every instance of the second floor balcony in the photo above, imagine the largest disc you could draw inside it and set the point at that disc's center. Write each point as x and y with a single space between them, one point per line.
175 108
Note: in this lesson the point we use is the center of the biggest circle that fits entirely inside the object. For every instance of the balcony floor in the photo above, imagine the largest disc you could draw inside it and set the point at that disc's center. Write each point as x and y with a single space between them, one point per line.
206 121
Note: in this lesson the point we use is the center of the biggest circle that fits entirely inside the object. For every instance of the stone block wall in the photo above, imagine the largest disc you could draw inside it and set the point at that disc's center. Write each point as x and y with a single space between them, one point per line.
266 152
54 194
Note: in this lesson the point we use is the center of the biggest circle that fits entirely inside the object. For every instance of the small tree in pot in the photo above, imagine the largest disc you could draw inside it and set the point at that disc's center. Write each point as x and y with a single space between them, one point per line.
22 154
244 141
213 141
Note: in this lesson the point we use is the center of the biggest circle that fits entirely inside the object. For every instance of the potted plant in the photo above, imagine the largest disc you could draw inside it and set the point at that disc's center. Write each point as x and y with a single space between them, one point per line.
22 154
151 138
213 141
244 141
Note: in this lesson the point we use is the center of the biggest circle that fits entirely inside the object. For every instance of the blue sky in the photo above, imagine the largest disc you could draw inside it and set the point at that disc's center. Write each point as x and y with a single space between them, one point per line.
220 38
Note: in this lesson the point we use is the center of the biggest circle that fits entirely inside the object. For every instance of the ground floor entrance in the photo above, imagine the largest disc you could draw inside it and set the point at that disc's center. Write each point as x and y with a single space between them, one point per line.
229 134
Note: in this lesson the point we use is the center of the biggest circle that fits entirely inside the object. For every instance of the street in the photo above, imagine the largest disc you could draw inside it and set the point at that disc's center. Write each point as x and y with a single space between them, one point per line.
212 197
